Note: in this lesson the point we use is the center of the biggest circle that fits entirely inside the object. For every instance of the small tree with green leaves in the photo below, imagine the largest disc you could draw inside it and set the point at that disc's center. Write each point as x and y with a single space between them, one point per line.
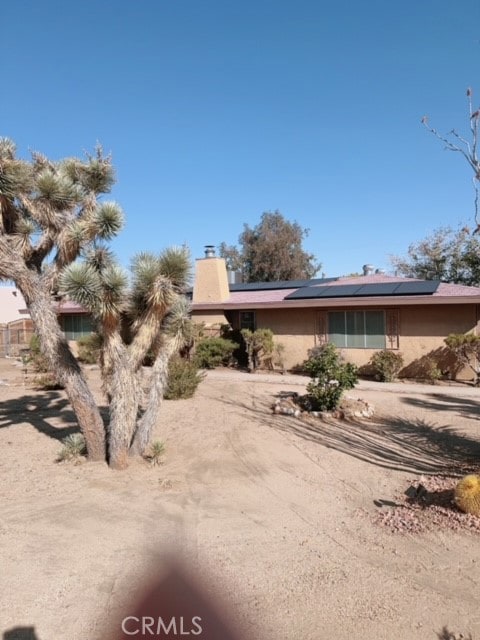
466 349
331 376
53 229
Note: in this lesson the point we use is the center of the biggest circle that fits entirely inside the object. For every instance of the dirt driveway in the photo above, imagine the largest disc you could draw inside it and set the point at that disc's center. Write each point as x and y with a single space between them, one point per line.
275 511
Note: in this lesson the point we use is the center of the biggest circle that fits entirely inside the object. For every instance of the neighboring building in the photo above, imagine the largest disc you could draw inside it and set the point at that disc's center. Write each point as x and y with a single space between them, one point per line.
359 314
74 320
16 328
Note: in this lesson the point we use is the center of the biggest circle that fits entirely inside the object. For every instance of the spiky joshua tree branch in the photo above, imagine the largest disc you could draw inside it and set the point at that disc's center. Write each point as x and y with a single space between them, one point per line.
54 231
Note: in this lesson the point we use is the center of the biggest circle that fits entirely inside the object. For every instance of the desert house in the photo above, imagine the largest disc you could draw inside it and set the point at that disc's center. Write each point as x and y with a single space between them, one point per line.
360 314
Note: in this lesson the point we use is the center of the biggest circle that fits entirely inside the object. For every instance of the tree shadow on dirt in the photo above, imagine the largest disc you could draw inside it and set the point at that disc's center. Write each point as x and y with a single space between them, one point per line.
446 634
392 443
464 407
43 411
20 633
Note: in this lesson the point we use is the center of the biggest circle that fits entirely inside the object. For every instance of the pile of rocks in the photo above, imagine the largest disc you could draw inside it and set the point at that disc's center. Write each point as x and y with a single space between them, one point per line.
290 403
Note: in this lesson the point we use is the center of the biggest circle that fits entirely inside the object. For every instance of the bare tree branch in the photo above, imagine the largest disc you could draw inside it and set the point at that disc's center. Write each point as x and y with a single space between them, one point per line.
468 151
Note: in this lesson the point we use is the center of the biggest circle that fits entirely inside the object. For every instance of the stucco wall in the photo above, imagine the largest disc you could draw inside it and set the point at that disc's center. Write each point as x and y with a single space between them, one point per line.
211 319
421 332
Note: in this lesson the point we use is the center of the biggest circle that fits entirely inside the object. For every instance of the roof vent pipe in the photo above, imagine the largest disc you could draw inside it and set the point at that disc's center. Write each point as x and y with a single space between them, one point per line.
368 269
209 251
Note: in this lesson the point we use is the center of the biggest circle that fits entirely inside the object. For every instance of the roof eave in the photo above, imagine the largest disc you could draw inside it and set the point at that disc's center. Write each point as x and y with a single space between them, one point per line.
393 301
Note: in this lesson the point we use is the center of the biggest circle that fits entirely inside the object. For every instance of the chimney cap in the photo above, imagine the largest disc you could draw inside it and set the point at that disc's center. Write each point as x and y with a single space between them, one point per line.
209 251
368 269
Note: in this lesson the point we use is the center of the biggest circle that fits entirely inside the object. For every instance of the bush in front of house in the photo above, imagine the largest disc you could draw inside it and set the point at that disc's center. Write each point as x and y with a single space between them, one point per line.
465 347
89 348
183 379
386 365
214 352
331 376
259 345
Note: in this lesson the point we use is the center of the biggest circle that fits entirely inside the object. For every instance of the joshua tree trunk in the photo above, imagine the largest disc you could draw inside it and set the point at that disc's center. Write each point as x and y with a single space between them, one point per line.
123 412
155 396
62 362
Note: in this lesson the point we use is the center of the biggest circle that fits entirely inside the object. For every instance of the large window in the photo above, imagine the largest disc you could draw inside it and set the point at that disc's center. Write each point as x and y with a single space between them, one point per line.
357 329
76 325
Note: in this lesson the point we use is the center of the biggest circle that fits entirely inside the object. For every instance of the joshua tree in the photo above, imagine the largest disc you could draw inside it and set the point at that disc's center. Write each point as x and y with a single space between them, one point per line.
53 226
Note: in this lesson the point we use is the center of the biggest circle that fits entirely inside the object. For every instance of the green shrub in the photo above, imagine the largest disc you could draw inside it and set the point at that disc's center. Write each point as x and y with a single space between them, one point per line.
214 352
432 371
386 365
331 376
89 348
239 354
183 379
466 349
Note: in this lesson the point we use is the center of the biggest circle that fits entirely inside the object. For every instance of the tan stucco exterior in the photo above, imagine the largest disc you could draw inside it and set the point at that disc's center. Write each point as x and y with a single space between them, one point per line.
211 281
421 331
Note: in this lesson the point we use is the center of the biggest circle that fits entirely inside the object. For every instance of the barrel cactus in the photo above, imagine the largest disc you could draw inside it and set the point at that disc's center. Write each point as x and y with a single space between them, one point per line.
467 494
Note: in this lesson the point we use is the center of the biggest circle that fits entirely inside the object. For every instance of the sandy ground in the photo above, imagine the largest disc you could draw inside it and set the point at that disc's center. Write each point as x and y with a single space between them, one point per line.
275 512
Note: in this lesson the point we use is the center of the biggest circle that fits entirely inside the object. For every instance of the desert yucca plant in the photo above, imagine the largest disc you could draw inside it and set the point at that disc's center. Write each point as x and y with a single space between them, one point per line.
54 226
73 448
155 453
467 494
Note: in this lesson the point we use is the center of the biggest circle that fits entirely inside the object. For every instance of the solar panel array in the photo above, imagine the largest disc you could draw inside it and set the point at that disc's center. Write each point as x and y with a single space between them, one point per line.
283 284
420 287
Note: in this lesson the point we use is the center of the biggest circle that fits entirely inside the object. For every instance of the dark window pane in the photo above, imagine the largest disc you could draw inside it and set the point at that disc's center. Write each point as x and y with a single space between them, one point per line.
337 329
375 329
247 320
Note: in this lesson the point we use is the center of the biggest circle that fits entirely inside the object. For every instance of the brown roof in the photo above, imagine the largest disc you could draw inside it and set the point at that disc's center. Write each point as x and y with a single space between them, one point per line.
445 294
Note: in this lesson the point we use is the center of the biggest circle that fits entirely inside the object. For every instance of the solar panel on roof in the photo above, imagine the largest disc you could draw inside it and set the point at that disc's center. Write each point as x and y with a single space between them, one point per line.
340 290
333 291
282 284
374 289
417 288
377 289
306 292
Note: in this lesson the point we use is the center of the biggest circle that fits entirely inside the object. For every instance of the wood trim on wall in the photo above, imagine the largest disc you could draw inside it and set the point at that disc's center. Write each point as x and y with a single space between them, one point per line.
392 328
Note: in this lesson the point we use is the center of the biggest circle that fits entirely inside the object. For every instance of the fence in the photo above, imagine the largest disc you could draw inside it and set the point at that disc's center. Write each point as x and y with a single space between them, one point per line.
14 337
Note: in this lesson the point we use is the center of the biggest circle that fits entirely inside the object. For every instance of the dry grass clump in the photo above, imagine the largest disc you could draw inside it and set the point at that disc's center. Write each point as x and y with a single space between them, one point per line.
74 448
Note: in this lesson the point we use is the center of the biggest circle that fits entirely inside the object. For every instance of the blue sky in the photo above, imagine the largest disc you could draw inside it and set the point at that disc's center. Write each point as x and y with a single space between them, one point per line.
216 111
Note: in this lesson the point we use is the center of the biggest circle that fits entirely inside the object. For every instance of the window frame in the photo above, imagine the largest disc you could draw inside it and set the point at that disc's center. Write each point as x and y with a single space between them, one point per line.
83 320
351 319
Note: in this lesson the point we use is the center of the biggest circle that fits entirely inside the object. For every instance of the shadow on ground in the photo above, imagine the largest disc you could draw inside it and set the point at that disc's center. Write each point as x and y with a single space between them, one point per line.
464 407
446 634
392 443
21 633
44 411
